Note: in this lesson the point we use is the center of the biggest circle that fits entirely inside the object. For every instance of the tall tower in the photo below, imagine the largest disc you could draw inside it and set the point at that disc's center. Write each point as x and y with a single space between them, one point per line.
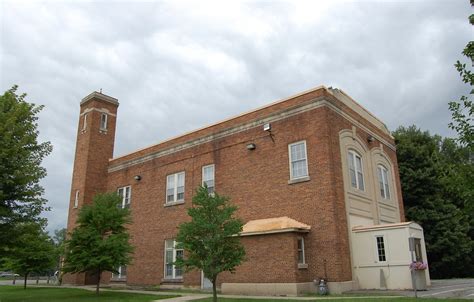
94 148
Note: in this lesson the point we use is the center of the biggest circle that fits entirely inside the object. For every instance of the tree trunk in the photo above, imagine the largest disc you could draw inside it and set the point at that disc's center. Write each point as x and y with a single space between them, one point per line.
26 278
214 289
98 282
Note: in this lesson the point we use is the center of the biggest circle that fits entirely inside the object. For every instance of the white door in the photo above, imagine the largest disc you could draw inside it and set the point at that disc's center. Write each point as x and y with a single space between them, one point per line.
205 283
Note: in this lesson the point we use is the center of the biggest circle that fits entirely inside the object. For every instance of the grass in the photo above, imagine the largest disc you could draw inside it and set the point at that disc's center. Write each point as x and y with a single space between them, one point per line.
49 294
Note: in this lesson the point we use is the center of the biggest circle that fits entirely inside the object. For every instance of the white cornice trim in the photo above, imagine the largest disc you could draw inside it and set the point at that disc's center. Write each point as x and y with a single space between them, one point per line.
101 110
100 96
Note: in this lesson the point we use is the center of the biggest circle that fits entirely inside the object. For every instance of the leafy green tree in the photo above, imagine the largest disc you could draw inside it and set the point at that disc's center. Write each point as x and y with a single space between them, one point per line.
100 241
432 173
462 111
20 165
210 240
59 239
33 251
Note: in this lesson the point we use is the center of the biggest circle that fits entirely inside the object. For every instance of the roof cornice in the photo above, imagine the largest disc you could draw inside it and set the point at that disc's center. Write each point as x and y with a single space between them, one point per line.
100 96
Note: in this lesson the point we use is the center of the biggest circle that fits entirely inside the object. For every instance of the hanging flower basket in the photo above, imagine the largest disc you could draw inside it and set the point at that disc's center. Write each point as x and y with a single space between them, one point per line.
418 266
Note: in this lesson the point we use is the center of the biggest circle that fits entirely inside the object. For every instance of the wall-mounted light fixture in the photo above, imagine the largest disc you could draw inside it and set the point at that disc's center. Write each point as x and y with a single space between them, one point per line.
137 177
267 127
370 138
251 146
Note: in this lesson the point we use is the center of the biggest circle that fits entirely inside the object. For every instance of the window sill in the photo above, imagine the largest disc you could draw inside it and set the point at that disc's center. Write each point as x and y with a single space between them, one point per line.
302 265
177 280
298 180
176 203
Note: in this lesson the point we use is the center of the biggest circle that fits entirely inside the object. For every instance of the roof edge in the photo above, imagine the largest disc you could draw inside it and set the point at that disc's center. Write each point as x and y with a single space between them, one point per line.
100 96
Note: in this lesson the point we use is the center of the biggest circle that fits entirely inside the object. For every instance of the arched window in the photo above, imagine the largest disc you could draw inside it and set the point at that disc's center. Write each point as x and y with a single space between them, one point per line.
383 182
355 170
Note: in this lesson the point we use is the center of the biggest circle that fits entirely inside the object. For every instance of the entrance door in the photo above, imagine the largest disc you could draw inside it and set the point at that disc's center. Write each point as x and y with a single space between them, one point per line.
205 283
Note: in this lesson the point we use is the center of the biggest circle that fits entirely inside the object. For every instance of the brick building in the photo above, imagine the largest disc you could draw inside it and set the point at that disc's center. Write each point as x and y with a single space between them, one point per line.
311 174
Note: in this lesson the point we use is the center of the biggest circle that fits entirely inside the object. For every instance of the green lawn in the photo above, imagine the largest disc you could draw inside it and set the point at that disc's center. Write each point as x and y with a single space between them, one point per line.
49 294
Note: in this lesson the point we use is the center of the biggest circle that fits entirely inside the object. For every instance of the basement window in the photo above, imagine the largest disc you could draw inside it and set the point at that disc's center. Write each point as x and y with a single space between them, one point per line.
122 273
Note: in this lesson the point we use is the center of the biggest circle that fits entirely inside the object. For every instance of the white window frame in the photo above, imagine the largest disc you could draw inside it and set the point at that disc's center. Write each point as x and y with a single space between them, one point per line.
174 269
120 274
76 199
175 177
377 251
84 122
352 154
302 250
212 189
103 121
292 177
384 183
126 198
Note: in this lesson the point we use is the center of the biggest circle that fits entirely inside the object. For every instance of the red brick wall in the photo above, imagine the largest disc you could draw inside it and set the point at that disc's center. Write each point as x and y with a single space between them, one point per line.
94 148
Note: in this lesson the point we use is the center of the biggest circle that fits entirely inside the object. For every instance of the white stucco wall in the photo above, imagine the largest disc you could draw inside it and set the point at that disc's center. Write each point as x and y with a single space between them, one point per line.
394 273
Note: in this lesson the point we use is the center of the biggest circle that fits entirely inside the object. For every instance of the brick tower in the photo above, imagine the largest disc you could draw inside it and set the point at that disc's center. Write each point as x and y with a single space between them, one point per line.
94 148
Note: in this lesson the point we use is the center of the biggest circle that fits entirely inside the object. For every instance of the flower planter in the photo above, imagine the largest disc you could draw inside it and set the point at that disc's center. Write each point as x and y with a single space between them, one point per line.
420 279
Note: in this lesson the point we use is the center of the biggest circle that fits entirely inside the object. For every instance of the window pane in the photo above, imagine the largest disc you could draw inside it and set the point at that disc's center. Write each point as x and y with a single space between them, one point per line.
360 177
180 179
170 181
298 151
123 271
381 248
180 193
170 195
169 270
169 244
299 169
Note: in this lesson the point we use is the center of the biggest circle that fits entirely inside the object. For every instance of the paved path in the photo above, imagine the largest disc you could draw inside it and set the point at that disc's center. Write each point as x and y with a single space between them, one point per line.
450 288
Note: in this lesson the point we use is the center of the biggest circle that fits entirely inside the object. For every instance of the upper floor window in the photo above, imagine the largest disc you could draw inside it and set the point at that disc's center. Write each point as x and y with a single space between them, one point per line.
355 170
383 182
84 122
298 160
171 255
380 248
208 178
103 121
175 187
76 199
125 194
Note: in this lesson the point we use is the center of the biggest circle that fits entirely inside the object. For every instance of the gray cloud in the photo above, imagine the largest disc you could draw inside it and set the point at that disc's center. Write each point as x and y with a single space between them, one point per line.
177 66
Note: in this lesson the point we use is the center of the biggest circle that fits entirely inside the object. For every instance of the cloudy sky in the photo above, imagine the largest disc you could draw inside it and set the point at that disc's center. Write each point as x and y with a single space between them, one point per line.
176 66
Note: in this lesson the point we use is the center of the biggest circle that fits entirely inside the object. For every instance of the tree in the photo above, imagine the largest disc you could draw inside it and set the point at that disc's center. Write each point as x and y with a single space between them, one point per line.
33 251
100 241
20 165
59 239
462 111
210 240
437 182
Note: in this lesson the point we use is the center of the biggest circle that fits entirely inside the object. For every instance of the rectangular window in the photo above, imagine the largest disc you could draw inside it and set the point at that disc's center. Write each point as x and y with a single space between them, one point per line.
208 178
380 248
418 254
298 160
383 182
122 273
76 199
103 121
175 187
84 122
355 170
301 257
125 195
171 254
